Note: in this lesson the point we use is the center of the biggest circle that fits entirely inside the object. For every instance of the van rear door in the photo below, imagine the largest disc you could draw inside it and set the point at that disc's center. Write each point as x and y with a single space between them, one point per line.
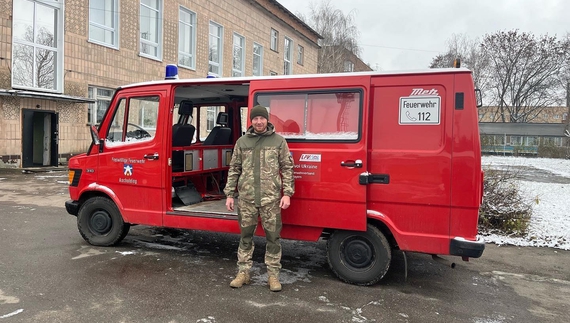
411 144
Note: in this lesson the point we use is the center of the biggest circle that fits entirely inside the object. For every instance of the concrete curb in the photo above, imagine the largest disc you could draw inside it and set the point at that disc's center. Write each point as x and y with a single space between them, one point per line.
31 170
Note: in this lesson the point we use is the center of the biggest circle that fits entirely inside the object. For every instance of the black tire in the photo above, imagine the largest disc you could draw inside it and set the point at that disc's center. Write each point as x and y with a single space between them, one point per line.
127 227
360 258
100 223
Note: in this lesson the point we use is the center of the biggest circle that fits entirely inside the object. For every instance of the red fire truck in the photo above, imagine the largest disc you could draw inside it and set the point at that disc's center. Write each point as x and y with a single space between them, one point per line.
383 161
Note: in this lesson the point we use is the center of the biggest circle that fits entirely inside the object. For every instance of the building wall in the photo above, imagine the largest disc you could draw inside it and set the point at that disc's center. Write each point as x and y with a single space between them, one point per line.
90 64
546 115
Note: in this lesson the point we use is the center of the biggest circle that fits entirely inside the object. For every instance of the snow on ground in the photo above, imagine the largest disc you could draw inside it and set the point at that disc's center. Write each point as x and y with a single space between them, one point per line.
550 221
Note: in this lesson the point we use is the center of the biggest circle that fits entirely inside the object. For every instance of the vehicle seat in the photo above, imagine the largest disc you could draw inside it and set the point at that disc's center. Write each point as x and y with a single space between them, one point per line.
220 134
183 132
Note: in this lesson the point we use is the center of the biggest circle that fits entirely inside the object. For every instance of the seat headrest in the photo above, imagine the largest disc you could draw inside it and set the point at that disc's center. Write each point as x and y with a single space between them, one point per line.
185 108
223 119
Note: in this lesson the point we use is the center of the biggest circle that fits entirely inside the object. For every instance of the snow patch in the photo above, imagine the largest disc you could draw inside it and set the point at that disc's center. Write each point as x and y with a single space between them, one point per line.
549 225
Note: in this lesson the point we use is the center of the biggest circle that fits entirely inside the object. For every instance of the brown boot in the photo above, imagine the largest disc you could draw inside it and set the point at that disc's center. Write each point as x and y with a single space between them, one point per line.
241 279
274 284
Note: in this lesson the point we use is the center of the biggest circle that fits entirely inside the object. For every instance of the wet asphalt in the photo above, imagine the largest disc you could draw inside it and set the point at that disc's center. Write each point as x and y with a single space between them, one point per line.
48 273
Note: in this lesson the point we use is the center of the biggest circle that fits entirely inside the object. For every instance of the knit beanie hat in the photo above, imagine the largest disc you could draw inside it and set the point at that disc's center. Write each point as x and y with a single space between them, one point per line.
258 111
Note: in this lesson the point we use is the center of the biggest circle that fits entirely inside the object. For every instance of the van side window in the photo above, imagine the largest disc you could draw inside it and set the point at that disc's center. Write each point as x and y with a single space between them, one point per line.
135 120
191 119
208 117
315 115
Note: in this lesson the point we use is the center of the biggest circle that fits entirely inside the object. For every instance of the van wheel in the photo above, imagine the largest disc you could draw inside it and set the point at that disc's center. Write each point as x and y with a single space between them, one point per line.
100 223
360 258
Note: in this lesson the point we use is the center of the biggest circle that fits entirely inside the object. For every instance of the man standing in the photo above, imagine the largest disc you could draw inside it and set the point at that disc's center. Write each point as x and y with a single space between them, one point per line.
262 170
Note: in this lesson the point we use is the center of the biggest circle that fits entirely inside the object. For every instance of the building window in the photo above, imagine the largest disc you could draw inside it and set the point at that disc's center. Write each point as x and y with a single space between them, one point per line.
288 49
37 38
97 109
239 56
151 29
215 49
516 140
274 39
300 55
257 59
104 22
348 66
532 141
211 116
187 38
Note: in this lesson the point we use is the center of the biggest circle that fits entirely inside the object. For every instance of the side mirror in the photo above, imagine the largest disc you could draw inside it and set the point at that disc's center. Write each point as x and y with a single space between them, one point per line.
478 98
94 135
95 138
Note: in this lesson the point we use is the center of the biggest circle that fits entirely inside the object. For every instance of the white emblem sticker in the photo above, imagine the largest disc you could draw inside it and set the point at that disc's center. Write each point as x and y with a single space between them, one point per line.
420 110
315 158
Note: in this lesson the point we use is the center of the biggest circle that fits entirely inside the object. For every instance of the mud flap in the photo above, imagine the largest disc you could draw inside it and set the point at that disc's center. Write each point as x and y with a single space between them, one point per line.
188 194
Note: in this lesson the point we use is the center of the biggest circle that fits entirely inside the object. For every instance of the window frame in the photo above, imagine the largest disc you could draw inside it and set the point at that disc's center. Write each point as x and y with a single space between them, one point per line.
348 66
211 116
114 30
260 56
147 42
57 49
300 55
358 91
181 35
274 40
287 56
220 39
241 71
124 117
93 107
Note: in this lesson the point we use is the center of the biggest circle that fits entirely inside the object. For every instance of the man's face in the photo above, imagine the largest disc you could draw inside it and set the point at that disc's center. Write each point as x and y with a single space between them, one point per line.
259 124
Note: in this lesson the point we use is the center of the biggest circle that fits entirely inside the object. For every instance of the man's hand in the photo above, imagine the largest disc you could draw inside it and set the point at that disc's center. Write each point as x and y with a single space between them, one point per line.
285 202
230 203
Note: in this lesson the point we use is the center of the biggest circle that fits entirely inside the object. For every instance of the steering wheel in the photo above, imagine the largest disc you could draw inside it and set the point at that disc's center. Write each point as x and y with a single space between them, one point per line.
139 133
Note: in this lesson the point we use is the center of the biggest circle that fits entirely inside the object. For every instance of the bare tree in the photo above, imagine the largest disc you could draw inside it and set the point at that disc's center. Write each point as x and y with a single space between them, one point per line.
468 51
35 67
525 73
339 35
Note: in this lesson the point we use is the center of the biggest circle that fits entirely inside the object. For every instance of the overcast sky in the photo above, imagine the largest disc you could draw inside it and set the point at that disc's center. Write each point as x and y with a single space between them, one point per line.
407 34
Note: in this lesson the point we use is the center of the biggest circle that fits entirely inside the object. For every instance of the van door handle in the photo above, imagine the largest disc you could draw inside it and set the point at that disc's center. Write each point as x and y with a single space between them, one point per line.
357 163
152 157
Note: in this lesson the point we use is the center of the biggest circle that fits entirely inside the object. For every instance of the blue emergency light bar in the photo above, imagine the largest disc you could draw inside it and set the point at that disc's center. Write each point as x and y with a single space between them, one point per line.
171 72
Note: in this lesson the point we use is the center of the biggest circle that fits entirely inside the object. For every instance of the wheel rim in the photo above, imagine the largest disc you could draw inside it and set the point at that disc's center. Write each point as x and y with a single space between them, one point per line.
357 253
100 222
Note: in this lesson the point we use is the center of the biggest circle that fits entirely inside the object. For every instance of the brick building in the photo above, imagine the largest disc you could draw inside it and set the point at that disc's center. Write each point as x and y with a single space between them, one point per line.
544 115
61 60
545 135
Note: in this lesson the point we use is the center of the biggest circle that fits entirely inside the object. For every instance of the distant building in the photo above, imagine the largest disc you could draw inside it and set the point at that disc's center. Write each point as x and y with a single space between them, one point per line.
545 115
545 136
337 59
60 61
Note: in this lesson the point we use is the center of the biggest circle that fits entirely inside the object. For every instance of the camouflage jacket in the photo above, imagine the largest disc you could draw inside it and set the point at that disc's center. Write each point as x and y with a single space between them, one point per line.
261 168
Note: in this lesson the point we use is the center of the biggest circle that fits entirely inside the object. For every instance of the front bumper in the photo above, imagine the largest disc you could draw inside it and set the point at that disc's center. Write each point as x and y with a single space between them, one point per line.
72 207
466 248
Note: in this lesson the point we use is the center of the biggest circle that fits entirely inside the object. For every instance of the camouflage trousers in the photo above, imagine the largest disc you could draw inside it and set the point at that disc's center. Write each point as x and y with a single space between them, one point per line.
248 215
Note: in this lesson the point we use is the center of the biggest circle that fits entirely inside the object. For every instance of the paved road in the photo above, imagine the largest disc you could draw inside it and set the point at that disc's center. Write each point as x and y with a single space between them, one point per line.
49 274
